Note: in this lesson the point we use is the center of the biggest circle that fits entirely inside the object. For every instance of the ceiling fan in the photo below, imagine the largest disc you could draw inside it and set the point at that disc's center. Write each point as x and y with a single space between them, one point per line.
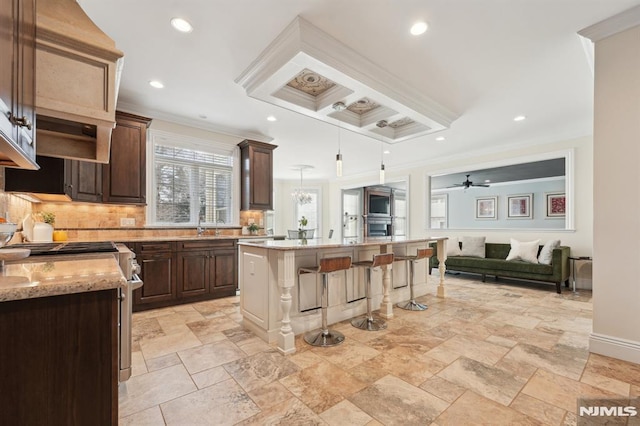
467 183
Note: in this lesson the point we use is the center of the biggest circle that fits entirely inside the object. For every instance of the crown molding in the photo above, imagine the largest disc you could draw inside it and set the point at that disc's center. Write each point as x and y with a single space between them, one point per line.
190 122
616 24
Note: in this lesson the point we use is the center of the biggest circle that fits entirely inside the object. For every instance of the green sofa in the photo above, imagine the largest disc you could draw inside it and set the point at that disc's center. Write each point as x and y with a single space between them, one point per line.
495 264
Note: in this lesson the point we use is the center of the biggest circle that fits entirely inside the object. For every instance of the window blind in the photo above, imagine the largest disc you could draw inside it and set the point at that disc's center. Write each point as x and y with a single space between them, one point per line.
192 184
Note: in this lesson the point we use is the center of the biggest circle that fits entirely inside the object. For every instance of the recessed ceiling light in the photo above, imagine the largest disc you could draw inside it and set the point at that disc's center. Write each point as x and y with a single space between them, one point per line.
487 180
519 118
418 28
271 118
181 25
386 152
440 138
156 83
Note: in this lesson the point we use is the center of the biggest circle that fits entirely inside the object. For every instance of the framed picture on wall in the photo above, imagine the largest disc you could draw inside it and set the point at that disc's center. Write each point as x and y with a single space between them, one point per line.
556 204
486 208
519 206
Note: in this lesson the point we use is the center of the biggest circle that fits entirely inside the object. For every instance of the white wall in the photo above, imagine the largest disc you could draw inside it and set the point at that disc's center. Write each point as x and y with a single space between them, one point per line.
616 289
462 205
580 239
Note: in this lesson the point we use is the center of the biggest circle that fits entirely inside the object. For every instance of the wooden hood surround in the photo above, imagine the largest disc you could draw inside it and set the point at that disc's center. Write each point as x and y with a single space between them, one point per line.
77 77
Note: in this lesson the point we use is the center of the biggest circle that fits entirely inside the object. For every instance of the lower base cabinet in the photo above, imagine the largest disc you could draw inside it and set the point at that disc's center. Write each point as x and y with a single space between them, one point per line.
158 273
185 271
59 360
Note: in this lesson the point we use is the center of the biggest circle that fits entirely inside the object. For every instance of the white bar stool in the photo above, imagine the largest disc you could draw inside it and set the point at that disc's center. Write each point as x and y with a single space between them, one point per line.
412 305
325 337
368 322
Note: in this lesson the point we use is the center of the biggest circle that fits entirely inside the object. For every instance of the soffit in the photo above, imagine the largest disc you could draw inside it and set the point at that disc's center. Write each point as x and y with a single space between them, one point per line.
307 70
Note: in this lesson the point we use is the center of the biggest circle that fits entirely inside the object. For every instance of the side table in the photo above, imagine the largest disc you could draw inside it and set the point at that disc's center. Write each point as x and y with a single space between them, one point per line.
573 260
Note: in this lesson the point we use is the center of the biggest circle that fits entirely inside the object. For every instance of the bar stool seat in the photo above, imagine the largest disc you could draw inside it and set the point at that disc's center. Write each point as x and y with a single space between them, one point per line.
368 322
412 305
325 337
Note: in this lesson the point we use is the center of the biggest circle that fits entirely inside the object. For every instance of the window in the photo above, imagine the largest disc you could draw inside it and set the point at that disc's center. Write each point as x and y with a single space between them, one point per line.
191 180
439 216
311 211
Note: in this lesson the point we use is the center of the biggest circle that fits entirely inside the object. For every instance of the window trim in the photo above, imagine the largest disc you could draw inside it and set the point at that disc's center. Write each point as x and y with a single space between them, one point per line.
161 137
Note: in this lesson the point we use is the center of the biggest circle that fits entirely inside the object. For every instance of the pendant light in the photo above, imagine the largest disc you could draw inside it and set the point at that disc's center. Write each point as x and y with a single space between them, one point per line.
339 106
381 166
381 124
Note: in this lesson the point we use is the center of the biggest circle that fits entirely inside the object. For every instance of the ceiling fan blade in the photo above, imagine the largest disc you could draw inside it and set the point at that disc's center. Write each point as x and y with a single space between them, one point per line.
480 184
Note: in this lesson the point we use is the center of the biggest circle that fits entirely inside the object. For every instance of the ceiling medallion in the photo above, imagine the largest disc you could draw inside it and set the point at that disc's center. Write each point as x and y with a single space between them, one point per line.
311 83
362 106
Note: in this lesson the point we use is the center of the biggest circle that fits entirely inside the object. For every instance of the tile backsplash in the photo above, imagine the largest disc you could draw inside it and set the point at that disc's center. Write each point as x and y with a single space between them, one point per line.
93 216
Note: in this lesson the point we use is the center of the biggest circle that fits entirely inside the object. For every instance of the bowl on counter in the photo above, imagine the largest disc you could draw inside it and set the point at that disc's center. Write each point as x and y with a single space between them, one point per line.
7 230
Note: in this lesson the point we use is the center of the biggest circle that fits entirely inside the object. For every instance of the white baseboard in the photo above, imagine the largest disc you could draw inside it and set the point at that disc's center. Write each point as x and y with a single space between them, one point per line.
615 347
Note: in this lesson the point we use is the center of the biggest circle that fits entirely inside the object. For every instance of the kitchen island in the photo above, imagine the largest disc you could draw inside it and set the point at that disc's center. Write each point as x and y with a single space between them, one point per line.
277 305
59 337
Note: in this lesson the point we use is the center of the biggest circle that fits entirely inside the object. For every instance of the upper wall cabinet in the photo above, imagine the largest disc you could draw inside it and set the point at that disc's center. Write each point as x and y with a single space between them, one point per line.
257 175
17 88
124 178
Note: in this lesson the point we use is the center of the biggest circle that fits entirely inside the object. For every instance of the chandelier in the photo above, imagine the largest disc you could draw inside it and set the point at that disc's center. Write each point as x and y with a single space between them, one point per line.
299 195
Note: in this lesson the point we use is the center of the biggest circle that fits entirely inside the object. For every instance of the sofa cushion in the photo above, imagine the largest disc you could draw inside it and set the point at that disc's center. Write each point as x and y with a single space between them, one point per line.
495 266
473 246
546 254
525 251
453 247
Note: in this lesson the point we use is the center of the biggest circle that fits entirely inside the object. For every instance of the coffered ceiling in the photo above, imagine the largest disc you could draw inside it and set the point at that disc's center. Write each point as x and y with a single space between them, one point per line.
480 64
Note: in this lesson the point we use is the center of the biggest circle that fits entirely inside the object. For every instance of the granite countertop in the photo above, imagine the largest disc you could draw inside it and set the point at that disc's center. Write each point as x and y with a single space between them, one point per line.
175 238
316 243
35 277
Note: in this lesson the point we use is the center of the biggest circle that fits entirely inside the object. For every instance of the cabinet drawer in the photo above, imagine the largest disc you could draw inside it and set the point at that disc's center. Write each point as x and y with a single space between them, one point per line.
205 244
154 247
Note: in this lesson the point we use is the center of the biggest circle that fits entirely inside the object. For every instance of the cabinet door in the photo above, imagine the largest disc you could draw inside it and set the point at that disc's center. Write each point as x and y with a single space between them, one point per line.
193 273
157 271
86 181
125 175
257 175
222 270
17 83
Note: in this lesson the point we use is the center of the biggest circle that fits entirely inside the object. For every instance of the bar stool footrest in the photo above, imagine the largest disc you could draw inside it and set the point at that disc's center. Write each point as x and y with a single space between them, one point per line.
412 305
322 339
364 323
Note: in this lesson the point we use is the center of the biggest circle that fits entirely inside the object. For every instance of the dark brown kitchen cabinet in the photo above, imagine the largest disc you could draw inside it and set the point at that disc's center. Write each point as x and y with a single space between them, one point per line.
157 262
78 180
207 269
185 271
194 273
17 84
59 360
124 178
256 175
85 180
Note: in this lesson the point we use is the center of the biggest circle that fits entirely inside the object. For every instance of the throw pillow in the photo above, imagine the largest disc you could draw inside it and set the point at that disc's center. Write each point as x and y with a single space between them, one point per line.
525 251
546 254
473 246
453 247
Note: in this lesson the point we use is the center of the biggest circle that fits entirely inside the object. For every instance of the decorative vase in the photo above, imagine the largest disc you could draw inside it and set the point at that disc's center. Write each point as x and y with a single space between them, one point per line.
42 232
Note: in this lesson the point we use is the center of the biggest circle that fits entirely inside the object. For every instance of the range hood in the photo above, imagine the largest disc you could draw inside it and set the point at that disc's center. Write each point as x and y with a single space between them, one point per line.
77 76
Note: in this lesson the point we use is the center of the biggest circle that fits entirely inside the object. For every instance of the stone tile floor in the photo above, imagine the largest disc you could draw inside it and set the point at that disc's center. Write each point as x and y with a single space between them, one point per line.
490 353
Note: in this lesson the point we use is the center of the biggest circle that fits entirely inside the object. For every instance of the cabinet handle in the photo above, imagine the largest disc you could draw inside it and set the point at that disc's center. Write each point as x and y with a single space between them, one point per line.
22 122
